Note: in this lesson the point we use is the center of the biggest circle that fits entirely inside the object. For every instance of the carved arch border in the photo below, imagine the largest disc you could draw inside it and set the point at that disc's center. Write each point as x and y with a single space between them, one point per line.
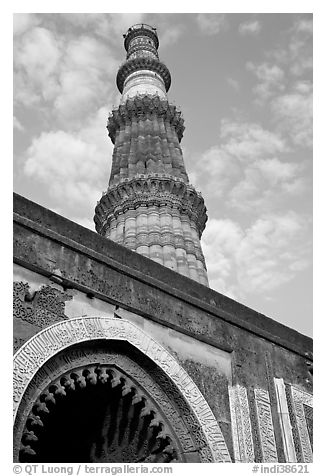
48 342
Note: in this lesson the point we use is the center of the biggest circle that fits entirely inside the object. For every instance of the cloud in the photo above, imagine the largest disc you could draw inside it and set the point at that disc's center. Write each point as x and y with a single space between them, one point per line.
38 54
300 46
248 141
169 35
120 22
234 84
248 169
72 165
84 77
62 76
17 124
304 25
296 55
250 28
220 169
23 22
270 79
292 114
110 26
211 23
258 259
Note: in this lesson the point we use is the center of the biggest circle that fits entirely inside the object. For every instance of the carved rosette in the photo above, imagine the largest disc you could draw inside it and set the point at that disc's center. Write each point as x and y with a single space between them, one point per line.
149 206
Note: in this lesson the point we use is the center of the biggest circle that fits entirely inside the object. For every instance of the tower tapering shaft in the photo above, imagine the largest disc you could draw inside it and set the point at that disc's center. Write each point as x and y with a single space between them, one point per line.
149 205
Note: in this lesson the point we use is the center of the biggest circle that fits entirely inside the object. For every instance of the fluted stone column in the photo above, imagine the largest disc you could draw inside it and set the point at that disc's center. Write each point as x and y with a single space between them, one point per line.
149 205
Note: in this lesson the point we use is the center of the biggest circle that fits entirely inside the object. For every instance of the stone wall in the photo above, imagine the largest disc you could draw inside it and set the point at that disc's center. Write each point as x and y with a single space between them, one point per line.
254 372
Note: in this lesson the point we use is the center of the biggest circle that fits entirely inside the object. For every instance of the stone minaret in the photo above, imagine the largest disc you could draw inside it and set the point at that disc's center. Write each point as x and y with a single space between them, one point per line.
149 205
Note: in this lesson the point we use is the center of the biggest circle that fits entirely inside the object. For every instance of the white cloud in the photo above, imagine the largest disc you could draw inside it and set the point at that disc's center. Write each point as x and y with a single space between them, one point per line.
36 62
274 170
23 22
120 22
72 165
270 79
293 114
17 124
110 26
38 53
296 56
84 77
66 76
169 35
248 169
249 141
304 25
255 260
234 84
250 28
211 23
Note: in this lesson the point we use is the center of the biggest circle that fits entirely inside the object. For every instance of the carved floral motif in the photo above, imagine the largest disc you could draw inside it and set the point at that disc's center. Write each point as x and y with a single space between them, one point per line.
43 308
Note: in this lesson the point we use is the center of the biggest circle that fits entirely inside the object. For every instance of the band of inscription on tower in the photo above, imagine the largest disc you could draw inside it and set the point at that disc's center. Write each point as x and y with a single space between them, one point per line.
149 205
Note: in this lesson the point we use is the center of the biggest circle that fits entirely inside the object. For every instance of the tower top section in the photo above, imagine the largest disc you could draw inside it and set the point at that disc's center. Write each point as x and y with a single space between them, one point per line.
142 72
140 30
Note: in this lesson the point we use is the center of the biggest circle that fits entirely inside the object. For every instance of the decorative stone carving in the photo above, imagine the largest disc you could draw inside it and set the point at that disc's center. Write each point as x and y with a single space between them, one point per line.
302 401
138 426
285 423
140 29
241 425
266 428
144 190
41 347
145 105
42 308
143 63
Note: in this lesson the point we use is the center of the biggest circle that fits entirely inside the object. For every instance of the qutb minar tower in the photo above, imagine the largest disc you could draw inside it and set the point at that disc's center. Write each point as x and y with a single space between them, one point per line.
149 205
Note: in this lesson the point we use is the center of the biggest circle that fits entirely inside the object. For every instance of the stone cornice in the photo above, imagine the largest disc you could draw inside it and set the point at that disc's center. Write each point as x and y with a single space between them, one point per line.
142 105
137 64
156 189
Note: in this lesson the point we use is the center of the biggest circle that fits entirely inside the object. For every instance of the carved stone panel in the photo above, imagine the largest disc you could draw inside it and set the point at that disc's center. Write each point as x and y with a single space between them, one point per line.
303 404
285 421
265 424
241 425
41 308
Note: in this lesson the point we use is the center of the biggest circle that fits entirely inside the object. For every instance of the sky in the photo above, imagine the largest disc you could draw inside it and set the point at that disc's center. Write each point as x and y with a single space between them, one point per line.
244 85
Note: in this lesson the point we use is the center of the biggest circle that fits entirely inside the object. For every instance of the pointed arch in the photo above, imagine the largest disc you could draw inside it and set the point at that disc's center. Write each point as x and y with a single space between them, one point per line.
52 340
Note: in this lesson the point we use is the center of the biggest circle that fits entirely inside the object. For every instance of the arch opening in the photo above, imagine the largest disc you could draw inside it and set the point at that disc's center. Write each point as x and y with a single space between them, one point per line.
108 386
96 414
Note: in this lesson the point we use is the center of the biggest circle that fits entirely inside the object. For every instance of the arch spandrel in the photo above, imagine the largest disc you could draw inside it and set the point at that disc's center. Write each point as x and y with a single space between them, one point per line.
32 356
